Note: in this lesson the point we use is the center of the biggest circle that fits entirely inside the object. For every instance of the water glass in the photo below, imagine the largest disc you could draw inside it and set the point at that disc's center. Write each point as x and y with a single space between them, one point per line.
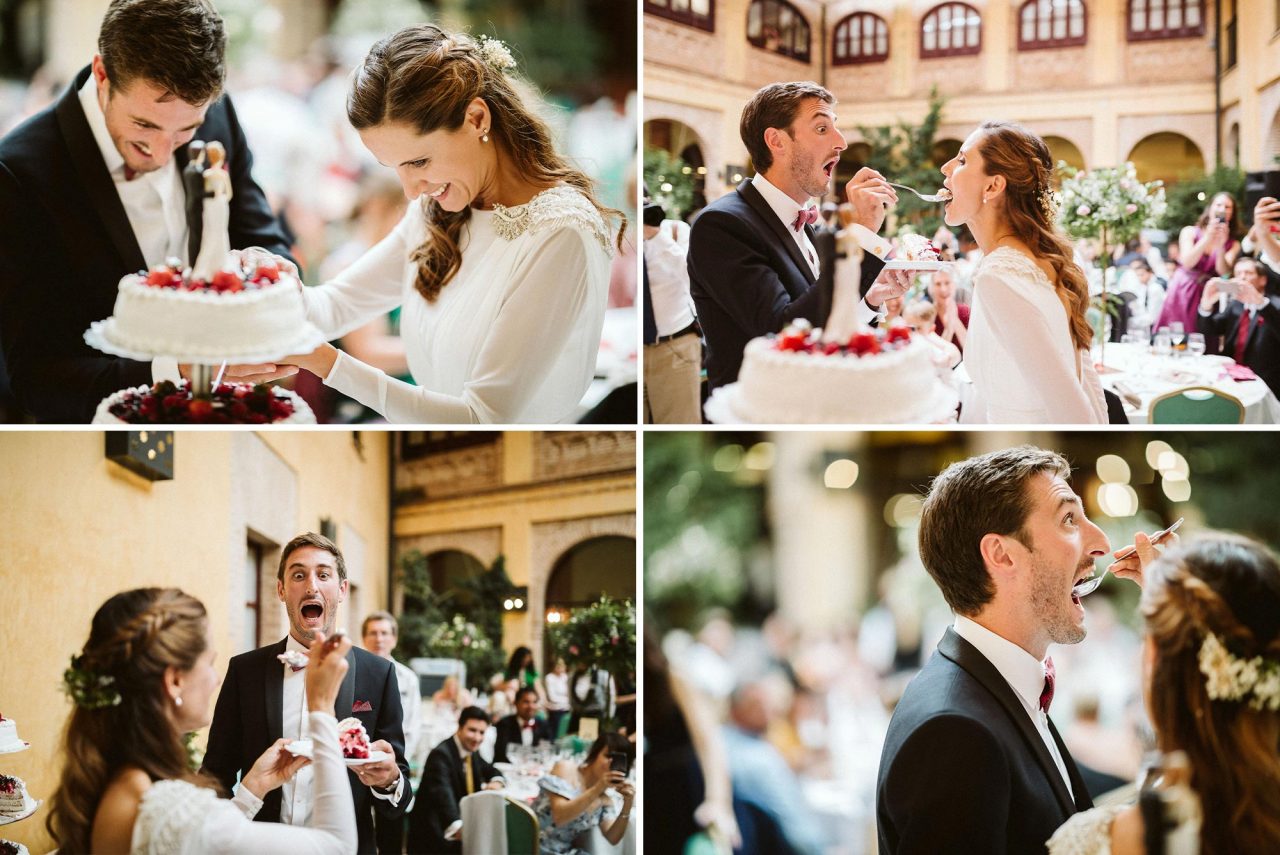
1163 344
1195 344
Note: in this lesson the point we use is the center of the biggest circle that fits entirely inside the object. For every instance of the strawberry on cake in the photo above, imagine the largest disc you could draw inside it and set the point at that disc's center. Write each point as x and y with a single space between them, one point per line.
354 739
231 403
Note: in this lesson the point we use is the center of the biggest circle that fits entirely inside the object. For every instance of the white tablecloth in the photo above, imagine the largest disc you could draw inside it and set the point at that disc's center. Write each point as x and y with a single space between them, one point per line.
1133 369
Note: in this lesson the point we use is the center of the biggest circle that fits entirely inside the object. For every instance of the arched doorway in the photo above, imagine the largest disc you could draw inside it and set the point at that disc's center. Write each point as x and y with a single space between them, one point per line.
1062 149
585 571
1167 156
1232 151
943 150
681 141
1271 146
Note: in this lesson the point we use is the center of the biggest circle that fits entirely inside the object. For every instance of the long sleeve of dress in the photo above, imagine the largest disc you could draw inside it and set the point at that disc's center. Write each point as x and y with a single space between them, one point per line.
551 297
1029 336
179 817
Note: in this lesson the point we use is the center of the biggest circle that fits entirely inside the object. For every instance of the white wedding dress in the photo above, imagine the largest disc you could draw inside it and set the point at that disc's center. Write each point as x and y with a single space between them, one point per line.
513 337
179 818
1019 352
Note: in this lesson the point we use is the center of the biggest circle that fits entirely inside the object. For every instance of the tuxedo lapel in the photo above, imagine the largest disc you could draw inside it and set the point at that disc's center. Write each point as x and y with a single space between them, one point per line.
752 197
1083 801
273 692
99 190
347 691
980 668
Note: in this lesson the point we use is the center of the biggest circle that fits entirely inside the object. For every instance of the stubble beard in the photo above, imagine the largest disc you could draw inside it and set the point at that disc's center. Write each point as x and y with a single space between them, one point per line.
803 169
1047 600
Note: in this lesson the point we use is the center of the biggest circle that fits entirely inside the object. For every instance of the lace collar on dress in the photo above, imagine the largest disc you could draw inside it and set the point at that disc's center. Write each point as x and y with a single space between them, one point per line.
556 206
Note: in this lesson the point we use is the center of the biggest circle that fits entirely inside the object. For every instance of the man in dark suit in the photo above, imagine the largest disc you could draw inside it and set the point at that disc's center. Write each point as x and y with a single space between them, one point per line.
454 770
1248 329
971 760
522 727
262 700
753 265
91 189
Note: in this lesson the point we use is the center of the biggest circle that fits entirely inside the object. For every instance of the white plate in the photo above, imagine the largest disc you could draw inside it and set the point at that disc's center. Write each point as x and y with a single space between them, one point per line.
300 748
101 335
908 264
374 757
5 820
15 749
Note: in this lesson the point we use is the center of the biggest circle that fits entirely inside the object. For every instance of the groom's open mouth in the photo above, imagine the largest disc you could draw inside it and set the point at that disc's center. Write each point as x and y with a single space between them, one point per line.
312 614
830 167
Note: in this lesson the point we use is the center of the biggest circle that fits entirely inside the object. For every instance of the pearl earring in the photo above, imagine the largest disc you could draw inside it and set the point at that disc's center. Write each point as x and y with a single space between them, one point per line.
177 702
484 136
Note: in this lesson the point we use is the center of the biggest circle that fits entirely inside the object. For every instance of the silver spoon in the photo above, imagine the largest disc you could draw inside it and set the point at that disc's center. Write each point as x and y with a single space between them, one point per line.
934 197
1088 586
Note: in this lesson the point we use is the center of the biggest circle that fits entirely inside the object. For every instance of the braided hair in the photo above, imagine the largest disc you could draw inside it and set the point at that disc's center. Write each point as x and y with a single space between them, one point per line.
425 77
135 636
1227 586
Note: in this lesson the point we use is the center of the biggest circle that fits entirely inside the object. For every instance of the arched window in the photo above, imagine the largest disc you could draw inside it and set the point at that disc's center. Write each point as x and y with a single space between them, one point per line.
861 37
1051 24
777 26
695 13
1165 19
952 29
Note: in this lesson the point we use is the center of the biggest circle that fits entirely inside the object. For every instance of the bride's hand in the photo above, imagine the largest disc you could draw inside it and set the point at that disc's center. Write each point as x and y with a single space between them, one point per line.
259 373
319 362
252 256
273 768
871 197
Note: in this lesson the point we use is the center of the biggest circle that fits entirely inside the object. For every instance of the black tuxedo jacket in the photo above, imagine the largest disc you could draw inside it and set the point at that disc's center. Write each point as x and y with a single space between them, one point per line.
444 784
964 769
249 717
65 242
509 732
1262 348
748 278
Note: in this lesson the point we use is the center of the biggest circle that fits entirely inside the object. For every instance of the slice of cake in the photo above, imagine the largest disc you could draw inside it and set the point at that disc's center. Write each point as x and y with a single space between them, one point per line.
353 738
918 248
8 847
9 741
14 799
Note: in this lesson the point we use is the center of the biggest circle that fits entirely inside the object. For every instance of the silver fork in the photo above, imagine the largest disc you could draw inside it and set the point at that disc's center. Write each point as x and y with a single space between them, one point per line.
931 197
1088 586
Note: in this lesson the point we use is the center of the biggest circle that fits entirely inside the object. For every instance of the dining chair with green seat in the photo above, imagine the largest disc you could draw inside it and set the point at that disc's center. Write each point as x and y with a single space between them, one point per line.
1196 405
522 828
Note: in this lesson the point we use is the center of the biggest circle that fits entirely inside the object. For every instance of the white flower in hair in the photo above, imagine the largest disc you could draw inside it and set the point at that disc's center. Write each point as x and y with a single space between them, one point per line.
1230 678
496 53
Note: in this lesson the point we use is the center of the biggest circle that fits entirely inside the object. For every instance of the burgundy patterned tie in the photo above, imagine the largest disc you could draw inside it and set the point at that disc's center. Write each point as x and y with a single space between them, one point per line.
1046 694
807 217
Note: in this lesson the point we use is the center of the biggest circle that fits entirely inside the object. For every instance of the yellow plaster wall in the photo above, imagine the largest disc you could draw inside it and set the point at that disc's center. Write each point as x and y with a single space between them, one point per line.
76 528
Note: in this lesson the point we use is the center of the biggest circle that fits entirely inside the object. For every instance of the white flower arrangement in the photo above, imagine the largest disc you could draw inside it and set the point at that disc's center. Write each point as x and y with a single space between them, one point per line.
1230 678
496 53
1109 201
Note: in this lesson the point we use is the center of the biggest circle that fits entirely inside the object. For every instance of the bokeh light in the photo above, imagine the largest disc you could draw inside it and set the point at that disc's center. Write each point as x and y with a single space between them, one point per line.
841 474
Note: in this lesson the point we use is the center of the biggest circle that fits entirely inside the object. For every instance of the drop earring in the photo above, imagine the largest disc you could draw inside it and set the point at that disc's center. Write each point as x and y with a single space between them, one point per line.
484 135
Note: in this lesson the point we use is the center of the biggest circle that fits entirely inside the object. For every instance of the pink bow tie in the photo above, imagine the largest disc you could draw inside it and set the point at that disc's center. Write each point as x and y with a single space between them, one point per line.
528 725
806 217
1046 694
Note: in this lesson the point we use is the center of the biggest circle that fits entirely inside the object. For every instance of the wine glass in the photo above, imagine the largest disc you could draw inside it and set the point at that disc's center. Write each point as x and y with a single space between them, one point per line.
1195 344
1177 336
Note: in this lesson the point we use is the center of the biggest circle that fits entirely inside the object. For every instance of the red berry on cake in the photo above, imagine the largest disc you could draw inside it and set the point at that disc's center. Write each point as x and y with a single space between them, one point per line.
268 270
353 738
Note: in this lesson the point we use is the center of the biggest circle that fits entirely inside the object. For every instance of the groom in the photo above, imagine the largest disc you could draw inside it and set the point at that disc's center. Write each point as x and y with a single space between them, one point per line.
91 190
971 761
753 265
263 699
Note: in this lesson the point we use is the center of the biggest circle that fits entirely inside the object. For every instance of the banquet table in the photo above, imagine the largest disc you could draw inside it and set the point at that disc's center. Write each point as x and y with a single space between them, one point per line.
1133 372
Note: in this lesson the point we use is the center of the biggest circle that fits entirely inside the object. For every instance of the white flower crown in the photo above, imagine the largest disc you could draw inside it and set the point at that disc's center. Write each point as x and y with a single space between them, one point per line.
496 53
1230 678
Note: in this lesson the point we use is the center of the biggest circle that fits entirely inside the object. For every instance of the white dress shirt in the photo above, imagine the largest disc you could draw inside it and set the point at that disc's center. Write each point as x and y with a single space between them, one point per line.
295 794
154 202
1025 675
665 258
787 209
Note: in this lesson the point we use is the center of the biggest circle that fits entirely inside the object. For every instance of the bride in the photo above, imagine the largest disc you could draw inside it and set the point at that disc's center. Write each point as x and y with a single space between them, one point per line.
1211 680
145 678
502 267
1027 350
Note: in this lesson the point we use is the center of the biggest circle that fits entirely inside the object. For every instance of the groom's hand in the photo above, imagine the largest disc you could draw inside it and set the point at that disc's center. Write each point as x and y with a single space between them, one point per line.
889 284
871 196
381 774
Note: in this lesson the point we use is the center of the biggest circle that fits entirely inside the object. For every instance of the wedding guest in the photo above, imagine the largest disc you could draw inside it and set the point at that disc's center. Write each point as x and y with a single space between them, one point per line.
952 321
142 681
454 769
1207 249
501 265
502 696
672 336
1148 290
452 694
1249 325
311 582
752 262
1211 681
91 190
574 799
1266 224
521 668
379 633
522 727
971 760
922 316
556 688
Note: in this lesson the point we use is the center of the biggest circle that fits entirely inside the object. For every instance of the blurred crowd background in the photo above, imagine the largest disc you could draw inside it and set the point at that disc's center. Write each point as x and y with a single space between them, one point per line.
787 607
288 68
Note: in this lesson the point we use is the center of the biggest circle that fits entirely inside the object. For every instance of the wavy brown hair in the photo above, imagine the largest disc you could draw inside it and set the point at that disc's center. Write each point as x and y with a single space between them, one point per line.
135 636
1234 229
1228 586
425 77
1024 160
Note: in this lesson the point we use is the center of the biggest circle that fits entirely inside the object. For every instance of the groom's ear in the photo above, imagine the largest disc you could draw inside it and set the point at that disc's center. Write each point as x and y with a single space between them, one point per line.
997 556
773 139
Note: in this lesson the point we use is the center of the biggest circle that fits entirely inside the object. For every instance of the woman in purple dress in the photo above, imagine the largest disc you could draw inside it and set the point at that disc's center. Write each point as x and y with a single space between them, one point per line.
1207 249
